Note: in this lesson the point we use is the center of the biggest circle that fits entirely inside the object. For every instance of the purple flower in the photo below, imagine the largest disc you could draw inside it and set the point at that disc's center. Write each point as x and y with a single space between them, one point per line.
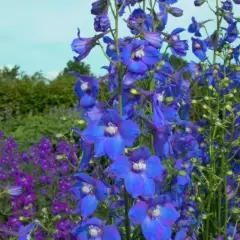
111 134
83 46
94 228
156 218
89 192
236 1
199 48
101 23
194 27
86 89
139 172
138 56
24 180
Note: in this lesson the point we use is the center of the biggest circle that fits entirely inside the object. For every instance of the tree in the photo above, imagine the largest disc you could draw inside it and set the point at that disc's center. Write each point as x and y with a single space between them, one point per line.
79 67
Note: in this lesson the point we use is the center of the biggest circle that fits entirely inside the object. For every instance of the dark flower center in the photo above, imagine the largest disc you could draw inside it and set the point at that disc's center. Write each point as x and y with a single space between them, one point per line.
138 54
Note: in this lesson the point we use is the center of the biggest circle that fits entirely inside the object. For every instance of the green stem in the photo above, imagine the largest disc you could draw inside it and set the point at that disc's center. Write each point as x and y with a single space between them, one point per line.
120 109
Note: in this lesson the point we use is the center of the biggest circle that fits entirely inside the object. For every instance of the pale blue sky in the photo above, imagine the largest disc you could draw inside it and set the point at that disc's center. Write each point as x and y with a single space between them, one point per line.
36 34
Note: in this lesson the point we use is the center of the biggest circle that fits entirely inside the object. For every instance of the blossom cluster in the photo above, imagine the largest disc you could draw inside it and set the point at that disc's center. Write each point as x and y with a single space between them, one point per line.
148 157
35 189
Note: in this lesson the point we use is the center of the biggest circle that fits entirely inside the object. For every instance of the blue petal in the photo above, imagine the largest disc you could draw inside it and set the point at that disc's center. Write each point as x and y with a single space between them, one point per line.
101 190
168 214
76 191
120 166
111 233
78 89
152 229
137 67
200 54
154 167
87 154
84 177
126 54
94 221
93 132
87 101
129 131
87 206
140 153
114 146
99 148
152 56
149 186
138 212
134 184
81 232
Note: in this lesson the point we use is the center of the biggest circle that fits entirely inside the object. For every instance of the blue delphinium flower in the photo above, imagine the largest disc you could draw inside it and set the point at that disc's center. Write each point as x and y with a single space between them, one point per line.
139 56
101 23
177 46
83 46
94 229
86 89
232 32
138 171
227 5
25 231
89 192
155 217
194 27
99 6
111 48
111 134
199 48
139 21
196 71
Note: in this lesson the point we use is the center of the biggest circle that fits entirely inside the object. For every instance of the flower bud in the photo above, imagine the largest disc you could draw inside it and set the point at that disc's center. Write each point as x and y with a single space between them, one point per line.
176 12
134 92
198 3
80 122
59 135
